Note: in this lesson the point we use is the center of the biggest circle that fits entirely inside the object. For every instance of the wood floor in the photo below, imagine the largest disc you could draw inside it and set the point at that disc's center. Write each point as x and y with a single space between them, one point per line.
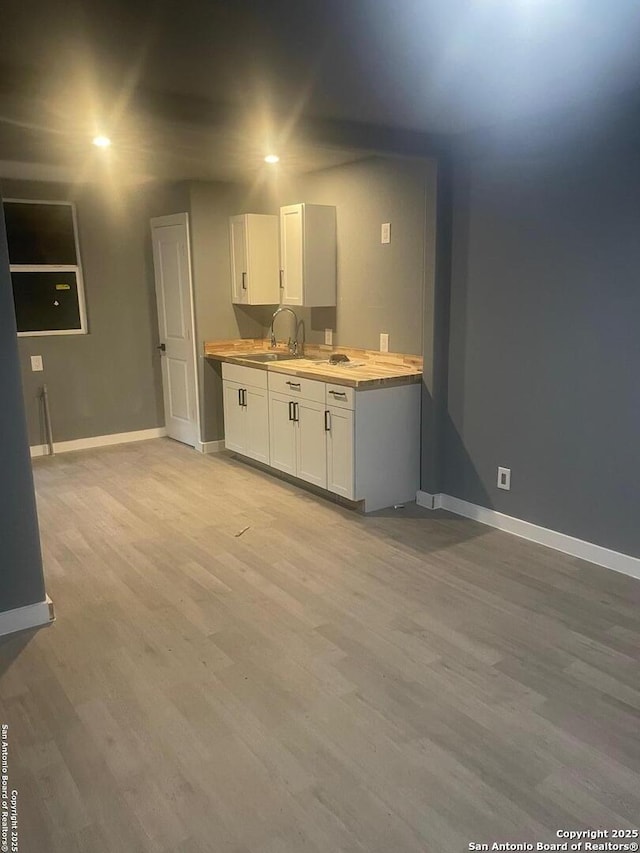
323 682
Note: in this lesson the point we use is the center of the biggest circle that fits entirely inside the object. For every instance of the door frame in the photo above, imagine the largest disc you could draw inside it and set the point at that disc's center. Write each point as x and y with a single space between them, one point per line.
163 222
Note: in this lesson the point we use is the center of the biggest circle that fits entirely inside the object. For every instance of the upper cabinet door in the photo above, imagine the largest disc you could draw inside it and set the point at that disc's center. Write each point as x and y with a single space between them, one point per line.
308 254
255 277
291 253
239 271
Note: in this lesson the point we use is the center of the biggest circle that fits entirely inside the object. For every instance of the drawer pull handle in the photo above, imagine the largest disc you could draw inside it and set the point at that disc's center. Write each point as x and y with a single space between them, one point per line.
293 384
339 394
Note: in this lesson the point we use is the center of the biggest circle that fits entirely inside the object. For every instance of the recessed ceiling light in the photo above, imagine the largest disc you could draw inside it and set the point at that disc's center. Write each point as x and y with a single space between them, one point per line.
272 158
101 141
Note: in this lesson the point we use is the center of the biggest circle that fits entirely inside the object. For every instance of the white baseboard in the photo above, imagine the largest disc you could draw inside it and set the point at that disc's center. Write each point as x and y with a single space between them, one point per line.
618 562
429 501
210 446
98 441
31 616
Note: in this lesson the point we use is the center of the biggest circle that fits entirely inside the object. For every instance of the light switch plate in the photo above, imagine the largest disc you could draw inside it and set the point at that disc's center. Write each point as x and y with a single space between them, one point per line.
384 342
36 363
385 232
328 337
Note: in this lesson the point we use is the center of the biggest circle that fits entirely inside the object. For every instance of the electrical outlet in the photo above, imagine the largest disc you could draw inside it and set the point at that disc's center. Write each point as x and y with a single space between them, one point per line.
504 479
328 337
385 232
36 363
384 342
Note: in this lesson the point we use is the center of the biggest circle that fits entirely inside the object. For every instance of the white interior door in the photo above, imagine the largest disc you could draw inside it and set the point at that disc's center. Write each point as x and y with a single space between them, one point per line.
171 259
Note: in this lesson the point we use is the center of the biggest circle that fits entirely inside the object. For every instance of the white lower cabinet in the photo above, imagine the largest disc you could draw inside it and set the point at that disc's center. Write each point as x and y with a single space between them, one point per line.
297 439
282 438
234 417
340 456
361 445
311 443
246 412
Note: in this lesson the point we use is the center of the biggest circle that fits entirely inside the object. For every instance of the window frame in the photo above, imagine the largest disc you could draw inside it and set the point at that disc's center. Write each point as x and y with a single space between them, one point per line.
75 268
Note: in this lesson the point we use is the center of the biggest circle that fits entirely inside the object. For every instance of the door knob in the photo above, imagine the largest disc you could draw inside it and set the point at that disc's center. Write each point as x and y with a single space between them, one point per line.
162 347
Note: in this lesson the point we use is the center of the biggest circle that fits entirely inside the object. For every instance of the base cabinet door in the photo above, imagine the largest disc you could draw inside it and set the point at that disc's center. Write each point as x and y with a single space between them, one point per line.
246 419
257 424
234 420
311 444
340 455
282 437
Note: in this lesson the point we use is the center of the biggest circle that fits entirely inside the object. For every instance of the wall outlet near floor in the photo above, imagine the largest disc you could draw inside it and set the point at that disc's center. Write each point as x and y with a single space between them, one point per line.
504 479
384 342
328 337
385 232
36 363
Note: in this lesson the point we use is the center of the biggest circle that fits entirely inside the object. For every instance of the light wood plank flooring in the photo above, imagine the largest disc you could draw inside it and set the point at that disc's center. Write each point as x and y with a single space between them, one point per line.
324 682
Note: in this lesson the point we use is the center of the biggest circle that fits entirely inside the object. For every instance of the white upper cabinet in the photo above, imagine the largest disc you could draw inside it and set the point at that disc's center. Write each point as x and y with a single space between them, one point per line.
254 259
308 255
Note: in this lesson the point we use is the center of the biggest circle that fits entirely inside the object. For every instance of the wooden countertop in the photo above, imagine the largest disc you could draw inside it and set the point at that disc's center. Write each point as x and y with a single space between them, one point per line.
365 369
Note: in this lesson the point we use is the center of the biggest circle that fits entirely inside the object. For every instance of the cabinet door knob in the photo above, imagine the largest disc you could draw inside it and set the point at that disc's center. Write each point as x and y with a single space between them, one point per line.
327 421
244 281
290 410
281 279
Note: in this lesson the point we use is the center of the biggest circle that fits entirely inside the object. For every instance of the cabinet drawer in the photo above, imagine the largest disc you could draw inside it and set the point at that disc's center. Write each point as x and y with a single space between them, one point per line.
341 396
309 389
244 375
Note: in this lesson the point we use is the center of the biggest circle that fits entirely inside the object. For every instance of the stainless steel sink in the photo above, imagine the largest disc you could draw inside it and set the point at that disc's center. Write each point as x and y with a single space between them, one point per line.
278 356
269 356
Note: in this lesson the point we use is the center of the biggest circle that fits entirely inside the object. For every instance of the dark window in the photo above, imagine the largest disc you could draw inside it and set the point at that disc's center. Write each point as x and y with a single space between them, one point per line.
46 301
45 267
40 234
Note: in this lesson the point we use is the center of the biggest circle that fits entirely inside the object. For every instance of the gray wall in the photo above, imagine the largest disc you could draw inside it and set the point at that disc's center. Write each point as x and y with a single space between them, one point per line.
109 380
381 288
20 558
435 346
545 342
211 205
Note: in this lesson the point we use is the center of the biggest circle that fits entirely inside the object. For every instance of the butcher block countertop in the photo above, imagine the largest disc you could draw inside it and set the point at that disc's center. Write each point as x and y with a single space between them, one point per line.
365 369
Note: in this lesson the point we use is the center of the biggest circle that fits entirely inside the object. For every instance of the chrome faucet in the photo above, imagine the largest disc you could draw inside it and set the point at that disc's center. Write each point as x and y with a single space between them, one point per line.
293 345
